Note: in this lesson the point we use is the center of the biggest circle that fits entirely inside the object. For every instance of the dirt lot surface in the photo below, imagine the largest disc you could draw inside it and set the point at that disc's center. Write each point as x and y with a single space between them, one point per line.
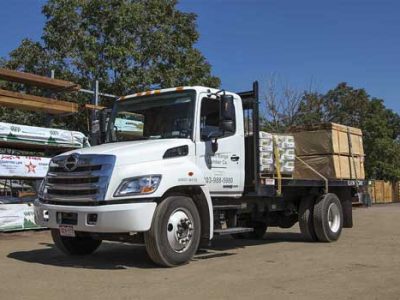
364 263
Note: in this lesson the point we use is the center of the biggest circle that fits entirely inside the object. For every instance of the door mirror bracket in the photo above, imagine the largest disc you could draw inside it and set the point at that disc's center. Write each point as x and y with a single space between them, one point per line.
214 145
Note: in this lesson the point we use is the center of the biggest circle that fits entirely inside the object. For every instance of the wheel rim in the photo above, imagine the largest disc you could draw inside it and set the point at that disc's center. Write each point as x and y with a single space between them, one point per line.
333 217
180 230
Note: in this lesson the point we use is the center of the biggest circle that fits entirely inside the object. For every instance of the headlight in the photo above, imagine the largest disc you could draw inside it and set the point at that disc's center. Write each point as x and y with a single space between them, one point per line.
138 185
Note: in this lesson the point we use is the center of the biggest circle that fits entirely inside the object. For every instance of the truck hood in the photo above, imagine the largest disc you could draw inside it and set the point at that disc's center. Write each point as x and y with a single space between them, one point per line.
136 151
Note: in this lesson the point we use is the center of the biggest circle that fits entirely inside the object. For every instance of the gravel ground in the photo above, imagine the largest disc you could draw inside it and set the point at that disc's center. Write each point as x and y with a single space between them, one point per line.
364 263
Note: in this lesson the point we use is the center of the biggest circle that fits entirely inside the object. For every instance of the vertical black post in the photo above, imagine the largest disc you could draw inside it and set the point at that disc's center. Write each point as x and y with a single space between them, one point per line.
95 100
49 118
95 126
256 135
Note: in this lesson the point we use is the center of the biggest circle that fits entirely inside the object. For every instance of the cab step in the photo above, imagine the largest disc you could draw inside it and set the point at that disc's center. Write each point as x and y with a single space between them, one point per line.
232 230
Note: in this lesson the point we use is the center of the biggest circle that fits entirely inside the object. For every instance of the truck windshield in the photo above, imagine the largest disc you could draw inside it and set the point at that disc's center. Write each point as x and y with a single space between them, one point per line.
162 116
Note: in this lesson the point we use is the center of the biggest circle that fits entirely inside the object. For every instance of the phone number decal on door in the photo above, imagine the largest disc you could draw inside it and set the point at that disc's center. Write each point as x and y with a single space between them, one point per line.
219 179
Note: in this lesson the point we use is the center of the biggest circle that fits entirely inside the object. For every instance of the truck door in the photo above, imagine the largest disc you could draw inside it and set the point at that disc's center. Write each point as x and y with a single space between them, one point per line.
223 170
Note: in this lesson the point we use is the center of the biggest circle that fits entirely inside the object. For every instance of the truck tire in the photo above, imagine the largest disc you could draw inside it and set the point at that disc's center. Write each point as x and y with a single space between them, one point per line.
74 245
328 218
175 232
306 219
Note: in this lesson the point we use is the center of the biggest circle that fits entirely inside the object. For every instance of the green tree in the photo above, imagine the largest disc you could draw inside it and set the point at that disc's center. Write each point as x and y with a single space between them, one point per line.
129 45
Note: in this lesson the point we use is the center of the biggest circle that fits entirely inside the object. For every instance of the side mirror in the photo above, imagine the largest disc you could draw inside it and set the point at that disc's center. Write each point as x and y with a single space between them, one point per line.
227 111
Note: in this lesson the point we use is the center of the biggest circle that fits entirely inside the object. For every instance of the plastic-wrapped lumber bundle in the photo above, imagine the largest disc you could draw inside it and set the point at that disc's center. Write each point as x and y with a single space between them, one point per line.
334 150
328 138
331 166
14 134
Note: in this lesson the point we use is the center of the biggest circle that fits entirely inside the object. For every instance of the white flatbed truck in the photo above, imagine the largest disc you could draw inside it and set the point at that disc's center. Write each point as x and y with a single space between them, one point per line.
190 175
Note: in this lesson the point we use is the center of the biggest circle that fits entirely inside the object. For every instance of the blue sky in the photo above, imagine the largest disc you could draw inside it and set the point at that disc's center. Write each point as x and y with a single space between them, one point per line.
325 42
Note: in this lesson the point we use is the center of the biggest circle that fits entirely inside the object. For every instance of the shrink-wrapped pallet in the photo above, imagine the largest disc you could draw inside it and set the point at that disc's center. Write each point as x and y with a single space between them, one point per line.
15 134
330 166
266 142
330 138
285 146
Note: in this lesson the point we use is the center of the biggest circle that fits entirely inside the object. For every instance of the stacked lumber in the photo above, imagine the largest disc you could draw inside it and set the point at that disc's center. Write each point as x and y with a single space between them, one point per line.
335 151
40 104
36 103
37 80
384 191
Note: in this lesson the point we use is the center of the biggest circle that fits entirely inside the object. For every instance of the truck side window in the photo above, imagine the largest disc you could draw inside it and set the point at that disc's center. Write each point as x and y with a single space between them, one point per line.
209 118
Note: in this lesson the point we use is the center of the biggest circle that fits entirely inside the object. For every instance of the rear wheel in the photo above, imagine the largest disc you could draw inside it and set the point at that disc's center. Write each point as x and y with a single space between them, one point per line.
328 218
175 232
74 245
306 219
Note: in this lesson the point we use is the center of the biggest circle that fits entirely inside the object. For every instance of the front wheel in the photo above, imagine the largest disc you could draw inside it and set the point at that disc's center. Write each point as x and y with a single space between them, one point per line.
175 232
74 245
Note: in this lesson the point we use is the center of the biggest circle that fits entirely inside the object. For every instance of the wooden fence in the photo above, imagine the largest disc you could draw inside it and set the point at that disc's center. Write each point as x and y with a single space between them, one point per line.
384 191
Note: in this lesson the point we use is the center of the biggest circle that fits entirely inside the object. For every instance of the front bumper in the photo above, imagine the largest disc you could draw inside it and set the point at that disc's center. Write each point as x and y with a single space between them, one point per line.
116 218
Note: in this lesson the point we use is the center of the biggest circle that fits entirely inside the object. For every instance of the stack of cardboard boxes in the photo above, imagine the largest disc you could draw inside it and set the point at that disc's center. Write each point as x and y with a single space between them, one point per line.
335 151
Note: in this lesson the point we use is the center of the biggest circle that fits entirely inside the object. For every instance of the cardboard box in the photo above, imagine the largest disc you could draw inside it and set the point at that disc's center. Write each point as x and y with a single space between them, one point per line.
330 138
330 166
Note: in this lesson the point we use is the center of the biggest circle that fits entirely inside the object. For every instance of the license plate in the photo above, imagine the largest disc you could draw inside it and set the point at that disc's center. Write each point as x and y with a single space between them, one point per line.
66 230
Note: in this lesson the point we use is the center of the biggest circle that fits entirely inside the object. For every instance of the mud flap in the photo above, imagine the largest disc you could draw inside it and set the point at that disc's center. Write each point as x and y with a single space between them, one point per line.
347 208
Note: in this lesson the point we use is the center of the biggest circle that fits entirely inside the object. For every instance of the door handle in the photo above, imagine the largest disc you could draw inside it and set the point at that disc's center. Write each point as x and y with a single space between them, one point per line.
234 158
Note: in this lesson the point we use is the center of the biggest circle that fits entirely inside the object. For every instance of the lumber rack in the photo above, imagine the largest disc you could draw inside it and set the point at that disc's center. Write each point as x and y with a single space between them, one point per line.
50 106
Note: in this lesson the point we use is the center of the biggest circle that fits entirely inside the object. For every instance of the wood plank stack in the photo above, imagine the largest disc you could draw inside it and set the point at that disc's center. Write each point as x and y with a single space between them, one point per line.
335 151
384 191
37 80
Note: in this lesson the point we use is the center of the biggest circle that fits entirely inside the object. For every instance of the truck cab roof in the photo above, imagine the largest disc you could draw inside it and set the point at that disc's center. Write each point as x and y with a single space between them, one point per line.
173 89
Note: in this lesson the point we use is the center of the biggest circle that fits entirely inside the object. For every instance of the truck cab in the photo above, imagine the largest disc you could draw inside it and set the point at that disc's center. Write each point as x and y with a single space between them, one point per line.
178 166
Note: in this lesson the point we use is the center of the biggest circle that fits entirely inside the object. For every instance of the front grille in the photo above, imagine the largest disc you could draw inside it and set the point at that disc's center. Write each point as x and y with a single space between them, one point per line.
78 178
72 192
78 169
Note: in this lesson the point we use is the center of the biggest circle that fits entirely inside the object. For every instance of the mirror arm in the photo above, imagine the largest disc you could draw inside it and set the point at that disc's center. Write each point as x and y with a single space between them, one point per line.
214 145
